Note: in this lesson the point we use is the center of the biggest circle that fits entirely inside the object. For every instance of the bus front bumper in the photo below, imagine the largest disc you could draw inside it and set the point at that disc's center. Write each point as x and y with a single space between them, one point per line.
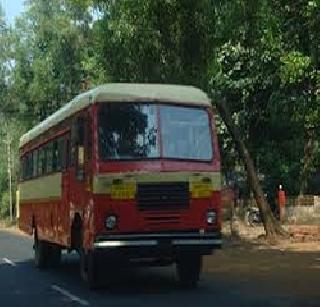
158 242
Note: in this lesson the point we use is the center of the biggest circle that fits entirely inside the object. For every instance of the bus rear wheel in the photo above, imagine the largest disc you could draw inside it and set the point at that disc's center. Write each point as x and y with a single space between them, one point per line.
40 252
54 254
188 270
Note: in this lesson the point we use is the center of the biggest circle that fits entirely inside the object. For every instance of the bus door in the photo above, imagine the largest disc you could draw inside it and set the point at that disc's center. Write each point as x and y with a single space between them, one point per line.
79 192
63 214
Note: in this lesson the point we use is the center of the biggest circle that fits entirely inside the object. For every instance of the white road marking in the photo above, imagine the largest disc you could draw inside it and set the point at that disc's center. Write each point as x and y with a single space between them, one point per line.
72 297
8 261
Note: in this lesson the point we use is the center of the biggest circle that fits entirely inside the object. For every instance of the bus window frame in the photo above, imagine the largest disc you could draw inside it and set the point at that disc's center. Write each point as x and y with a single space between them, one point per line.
39 165
161 157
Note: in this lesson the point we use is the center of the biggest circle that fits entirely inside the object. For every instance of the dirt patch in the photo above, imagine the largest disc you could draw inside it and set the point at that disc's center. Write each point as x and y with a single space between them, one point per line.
287 269
11 228
297 233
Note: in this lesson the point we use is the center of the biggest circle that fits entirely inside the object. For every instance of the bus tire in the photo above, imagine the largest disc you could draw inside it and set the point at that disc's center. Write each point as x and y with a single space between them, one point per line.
40 253
89 270
83 264
54 255
93 271
188 270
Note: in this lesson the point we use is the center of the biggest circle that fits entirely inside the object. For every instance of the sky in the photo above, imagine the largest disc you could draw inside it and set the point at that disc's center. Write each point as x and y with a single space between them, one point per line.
12 8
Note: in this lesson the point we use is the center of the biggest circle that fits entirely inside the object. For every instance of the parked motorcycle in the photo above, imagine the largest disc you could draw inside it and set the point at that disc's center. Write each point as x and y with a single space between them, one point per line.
253 217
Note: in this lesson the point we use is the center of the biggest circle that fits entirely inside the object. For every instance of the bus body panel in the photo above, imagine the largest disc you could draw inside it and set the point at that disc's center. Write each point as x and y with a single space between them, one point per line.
50 204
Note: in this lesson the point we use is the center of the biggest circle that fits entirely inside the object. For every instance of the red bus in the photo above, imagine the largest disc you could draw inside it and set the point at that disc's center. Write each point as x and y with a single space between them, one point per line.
124 173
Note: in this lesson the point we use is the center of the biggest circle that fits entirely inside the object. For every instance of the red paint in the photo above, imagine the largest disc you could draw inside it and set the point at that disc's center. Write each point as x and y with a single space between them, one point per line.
281 198
282 203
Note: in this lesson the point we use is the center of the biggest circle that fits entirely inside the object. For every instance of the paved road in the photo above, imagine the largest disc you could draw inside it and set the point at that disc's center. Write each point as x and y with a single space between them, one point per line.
23 285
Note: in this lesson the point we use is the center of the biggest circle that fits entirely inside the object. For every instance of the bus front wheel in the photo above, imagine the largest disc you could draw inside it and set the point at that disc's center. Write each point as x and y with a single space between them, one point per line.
189 269
54 254
89 268
40 252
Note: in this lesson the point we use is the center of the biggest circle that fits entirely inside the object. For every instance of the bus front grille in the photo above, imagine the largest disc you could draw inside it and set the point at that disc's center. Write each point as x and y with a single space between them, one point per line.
163 196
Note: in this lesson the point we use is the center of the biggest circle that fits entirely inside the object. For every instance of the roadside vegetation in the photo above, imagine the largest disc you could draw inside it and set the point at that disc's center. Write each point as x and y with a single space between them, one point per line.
260 58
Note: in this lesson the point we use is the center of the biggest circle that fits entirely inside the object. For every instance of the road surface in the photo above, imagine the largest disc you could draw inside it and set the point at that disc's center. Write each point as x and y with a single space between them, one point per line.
234 277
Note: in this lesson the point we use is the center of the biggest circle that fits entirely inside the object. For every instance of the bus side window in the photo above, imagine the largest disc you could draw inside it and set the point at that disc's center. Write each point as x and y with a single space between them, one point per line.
49 156
35 163
24 168
42 161
89 137
29 166
77 138
55 156
67 154
21 169
77 131
40 152
60 154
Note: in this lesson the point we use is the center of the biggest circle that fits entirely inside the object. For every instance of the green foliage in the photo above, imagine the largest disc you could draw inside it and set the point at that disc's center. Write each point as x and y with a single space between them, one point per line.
5 205
261 56
268 79
154 41
294 67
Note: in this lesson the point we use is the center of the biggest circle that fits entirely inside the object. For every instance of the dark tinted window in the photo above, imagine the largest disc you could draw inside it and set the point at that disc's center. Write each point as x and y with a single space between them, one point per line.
29 167
35 163
49 155
128 131
41 162
55 154
89 140
67 152
60 154
24 168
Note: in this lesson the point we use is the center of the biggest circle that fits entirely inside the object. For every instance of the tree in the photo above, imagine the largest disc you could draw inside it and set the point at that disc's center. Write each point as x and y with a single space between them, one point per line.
260 57
138 36
3 60
48 42
271 226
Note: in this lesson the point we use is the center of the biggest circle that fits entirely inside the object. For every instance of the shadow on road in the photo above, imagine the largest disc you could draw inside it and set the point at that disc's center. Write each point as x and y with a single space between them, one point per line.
234 276
128 281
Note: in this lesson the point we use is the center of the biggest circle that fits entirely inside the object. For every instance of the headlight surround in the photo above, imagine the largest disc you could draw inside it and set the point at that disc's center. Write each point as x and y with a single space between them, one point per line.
111 222
211 217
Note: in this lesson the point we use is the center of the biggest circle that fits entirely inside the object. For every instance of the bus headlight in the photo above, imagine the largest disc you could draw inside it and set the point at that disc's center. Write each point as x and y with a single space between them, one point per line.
211 217
111 222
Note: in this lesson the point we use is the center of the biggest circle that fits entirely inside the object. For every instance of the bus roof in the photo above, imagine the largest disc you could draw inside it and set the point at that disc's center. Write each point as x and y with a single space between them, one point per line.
121 92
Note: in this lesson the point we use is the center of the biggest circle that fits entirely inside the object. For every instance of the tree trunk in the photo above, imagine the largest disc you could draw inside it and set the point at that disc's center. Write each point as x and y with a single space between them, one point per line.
271 225
234 224
309 152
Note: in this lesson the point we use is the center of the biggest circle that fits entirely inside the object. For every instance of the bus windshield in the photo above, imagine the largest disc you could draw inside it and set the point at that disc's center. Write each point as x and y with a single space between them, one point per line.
134 131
